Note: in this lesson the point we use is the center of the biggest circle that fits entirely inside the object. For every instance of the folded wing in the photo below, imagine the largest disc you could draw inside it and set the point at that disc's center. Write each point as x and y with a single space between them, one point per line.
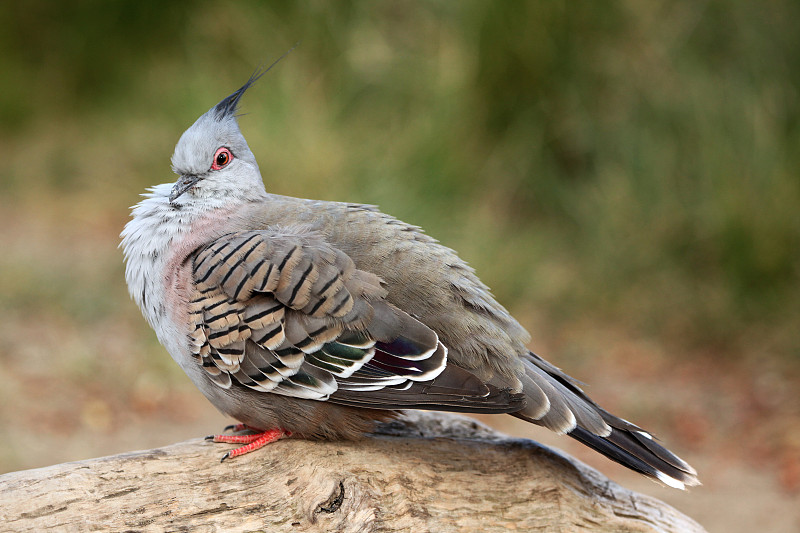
281 311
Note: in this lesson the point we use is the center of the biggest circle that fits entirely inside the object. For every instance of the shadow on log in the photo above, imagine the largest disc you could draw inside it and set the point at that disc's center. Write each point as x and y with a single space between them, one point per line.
434 472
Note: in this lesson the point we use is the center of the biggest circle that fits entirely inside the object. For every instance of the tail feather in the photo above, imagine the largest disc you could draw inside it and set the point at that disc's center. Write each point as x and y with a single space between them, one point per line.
626 443
662 453
643 455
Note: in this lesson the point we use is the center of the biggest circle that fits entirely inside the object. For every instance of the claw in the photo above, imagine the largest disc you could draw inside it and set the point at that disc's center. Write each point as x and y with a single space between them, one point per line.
251 442
235 439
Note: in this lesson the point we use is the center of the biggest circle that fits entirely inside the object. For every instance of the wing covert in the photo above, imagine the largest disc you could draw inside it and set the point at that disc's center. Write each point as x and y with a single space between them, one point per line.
282 311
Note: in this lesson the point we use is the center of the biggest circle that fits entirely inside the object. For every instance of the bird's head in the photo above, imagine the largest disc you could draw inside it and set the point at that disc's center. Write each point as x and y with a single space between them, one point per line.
212 158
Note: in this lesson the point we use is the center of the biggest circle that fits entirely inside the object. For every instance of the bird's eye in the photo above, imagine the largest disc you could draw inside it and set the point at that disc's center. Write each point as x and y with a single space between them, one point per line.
221 158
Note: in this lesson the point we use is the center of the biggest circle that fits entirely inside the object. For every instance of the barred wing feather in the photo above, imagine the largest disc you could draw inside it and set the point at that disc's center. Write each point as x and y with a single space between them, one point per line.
281 311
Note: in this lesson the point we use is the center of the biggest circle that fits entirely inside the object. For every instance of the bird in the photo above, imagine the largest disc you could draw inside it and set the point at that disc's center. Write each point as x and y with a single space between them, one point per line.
317 319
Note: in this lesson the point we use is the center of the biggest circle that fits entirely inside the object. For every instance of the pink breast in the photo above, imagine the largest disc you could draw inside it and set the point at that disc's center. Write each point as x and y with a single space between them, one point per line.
178 267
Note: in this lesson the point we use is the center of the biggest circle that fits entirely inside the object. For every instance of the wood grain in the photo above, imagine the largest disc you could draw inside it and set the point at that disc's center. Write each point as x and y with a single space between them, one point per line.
434 472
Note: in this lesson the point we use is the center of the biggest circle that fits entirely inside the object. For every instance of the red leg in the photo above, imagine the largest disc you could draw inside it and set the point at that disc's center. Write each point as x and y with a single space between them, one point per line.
251 442
234 439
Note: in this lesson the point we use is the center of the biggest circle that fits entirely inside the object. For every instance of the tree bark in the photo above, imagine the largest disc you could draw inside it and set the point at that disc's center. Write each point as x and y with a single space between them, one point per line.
433 472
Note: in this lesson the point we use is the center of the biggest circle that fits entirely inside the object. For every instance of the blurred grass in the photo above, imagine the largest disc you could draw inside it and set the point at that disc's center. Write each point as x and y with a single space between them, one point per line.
635 162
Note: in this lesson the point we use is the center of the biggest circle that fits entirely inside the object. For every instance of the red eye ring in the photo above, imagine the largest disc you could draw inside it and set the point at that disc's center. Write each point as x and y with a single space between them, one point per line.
222 158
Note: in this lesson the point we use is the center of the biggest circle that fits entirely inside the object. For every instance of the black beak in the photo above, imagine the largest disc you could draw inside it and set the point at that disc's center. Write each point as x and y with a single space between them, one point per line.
183 184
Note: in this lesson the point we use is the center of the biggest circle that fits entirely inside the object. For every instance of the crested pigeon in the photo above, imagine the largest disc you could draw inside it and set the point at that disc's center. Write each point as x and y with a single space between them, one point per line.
316 319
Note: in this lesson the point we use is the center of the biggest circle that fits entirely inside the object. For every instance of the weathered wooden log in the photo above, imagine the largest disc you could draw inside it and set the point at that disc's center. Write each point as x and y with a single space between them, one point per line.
433 472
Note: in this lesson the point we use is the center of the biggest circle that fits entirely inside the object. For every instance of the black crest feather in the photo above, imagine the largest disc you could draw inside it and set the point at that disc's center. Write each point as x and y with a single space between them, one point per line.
229 105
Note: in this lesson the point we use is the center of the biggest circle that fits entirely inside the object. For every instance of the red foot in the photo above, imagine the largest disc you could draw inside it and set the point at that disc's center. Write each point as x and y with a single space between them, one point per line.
251 442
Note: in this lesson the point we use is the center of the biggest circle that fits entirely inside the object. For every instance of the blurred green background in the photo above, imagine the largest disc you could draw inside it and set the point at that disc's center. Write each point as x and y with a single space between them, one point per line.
624 175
